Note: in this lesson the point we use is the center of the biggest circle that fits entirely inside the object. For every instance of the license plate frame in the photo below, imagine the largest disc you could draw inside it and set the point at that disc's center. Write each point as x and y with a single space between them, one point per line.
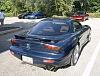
27 59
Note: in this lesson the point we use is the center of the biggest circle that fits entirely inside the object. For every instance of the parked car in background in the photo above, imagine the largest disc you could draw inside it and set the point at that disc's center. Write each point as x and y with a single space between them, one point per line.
80 16
52 43
32 15
21 16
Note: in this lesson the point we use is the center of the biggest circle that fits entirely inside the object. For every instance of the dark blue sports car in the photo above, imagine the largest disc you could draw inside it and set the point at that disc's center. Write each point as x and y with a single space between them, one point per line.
32 15
52 43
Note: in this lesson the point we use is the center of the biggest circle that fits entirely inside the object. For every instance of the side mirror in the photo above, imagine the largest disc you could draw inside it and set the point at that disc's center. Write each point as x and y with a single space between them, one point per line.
85 26
87 14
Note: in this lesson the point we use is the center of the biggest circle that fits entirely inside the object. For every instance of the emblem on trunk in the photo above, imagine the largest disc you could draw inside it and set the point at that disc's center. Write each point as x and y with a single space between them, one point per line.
28 46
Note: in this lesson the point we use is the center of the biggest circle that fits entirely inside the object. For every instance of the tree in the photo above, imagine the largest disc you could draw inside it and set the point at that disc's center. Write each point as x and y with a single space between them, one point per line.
84 4
77 6
49 7
94 6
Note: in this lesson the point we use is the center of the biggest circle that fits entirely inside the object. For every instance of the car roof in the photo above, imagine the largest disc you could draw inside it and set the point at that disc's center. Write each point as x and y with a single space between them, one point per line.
58 19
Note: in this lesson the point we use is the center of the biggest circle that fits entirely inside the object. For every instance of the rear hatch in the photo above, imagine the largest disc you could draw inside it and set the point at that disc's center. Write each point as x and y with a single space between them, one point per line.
36 43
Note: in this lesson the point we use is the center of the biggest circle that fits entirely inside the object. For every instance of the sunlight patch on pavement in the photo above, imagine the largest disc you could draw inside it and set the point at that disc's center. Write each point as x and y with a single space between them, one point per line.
89 66
9 39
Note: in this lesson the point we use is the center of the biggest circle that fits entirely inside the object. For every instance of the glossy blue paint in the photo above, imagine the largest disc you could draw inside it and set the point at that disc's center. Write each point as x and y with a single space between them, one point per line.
31 15
32 45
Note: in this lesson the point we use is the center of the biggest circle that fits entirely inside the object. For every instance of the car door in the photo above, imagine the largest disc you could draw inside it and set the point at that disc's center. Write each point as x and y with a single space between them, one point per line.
79 32
40 15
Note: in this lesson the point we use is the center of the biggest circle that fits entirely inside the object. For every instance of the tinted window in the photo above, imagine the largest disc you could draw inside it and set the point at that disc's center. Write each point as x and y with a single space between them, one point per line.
79 13
77 26
50 28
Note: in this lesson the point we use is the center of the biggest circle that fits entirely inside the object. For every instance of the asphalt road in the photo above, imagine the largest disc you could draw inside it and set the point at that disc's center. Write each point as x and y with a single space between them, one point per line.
88 64
24 23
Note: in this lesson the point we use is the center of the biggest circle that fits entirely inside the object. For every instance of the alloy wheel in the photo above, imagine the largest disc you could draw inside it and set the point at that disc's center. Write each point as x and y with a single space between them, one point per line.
76 54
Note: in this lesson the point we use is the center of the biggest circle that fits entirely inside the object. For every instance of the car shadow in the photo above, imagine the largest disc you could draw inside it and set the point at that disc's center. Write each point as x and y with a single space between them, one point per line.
67 66
5 38
84 46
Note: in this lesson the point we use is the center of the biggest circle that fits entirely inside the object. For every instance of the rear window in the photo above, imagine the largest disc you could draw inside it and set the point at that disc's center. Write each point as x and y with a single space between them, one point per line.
79 13
50 28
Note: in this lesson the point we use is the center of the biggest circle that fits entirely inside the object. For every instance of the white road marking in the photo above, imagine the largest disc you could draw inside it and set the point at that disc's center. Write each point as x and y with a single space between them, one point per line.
8 39
92 61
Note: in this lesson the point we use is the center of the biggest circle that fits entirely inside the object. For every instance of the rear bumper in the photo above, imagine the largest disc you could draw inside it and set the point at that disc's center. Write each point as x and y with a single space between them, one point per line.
59 61
79 18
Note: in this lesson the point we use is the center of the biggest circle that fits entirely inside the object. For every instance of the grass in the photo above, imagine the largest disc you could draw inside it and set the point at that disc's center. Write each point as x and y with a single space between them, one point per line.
61 17
9 14
95 15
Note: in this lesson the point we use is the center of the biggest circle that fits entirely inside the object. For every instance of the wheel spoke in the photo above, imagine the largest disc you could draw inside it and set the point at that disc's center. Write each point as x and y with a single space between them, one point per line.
76 54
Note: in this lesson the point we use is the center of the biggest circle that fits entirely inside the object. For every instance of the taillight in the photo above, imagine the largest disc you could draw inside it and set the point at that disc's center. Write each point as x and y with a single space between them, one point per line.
13 41
48 61
51 47
71 17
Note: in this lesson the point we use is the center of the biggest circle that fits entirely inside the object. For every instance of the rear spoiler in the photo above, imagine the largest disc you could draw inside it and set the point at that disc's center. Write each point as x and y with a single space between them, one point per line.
19 37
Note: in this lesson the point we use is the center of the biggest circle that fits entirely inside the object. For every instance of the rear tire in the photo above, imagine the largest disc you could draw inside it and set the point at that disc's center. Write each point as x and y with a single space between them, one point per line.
89 38
51 68
75 55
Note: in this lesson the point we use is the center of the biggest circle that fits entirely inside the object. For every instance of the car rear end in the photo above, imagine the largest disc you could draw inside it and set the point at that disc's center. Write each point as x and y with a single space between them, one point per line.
37 53
41 50
78 17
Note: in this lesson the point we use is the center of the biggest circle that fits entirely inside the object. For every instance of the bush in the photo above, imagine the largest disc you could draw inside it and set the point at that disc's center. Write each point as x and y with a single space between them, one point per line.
96 15
55 16
9 14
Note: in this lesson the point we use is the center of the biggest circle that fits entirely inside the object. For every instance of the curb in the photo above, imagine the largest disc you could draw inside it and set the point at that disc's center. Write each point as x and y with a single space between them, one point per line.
9 31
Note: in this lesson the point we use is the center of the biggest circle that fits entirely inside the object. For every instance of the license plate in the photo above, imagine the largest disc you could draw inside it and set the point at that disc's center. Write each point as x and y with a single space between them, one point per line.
78 18
27 59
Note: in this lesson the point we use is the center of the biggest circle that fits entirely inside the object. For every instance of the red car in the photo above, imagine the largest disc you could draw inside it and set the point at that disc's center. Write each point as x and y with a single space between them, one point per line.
80 16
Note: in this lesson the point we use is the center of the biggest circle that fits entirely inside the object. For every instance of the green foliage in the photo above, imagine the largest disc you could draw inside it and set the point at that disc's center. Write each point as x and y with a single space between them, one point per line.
49 7
9 14
61 17
94 6
96 15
